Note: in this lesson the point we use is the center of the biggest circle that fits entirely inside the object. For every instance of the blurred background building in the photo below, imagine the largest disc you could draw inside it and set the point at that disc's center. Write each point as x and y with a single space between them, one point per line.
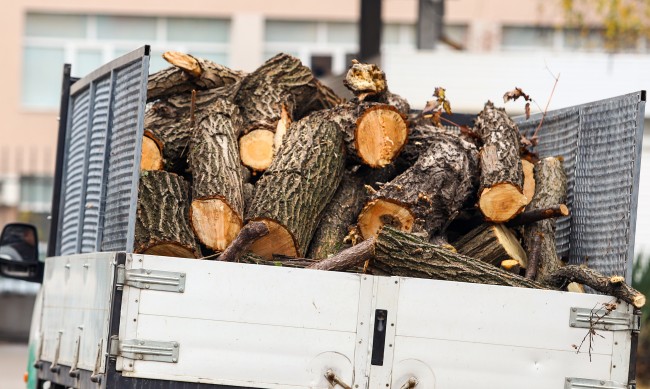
486 48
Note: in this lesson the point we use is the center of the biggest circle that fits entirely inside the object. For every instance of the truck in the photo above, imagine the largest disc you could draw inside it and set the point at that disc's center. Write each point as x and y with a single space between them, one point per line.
108 318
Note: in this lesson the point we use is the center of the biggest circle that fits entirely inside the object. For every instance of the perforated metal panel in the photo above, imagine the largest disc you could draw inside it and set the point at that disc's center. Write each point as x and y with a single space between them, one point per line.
102 154
601 146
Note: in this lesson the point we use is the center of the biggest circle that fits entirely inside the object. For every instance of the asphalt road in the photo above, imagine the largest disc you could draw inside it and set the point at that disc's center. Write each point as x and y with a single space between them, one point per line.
13 362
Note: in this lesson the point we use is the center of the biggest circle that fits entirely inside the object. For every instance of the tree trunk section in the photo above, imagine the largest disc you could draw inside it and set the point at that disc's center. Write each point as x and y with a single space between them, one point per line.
591 278
152 157
374 133
292 194
217 198
535 215
401 254
550 190
501 192
340 214
188 73
162 226
492 243
528 169
427 196
346 259
240 245
368 83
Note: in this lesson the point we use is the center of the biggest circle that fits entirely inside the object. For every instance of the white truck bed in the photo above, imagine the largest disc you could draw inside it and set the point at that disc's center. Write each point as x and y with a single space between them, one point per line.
273 327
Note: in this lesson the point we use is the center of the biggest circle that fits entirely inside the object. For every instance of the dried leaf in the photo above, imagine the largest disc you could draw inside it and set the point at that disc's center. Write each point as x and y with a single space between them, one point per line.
514 95
447 107
527 108
439 92
431 107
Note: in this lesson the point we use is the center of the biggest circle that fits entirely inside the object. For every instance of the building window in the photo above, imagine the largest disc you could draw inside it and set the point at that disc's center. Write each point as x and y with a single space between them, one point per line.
325 45
88 41
36 193
520 37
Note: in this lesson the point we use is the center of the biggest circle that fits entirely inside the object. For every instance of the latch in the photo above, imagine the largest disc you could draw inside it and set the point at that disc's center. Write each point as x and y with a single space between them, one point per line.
144 350
583 383
601 319
151 279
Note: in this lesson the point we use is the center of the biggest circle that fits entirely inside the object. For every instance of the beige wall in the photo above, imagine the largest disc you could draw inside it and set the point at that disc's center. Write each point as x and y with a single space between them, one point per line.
34 132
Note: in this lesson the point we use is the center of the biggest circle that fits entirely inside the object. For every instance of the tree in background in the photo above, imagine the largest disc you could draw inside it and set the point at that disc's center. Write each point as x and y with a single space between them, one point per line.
641 282
622 22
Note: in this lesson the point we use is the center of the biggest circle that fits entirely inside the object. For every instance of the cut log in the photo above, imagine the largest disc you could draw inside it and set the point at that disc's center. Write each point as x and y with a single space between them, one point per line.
529 179
270 98
501 192
533 256
492 243
217 198
368 83
152 158
593 279
511 265
188 73
168 122
550 190
292 194
402 254
535 215
575 287
346 259
427 196
247 236
162 226
340 214
374 133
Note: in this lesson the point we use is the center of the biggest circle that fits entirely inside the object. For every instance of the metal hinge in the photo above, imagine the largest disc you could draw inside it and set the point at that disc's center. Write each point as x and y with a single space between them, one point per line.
144 350
151 279
583 383
600 319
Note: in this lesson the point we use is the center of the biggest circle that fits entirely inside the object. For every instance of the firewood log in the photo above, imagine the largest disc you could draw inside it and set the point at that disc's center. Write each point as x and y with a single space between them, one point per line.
402 254
217 207
501 192
612 286
270 98
550 190
292 194
368 83
374 133
188 73
162 226
169 124
528 169
340 214
427 196
492 243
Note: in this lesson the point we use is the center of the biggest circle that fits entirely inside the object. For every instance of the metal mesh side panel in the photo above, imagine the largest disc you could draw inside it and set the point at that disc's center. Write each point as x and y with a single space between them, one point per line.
96 159
124 160
558 137
73 179
598 142
603 188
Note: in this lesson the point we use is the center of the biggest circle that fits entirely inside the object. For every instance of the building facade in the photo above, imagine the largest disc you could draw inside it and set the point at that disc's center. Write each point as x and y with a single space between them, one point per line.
506 43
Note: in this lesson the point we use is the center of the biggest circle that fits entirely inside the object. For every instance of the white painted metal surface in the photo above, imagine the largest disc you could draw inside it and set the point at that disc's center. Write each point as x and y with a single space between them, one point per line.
457 335
272 327
77 297
246 325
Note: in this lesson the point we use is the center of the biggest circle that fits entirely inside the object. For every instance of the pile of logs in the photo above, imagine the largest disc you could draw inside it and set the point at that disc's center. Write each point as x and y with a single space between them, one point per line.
273 167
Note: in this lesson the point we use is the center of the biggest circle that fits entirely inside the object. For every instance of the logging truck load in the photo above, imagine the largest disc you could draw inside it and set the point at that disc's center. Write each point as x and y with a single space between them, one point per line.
219 229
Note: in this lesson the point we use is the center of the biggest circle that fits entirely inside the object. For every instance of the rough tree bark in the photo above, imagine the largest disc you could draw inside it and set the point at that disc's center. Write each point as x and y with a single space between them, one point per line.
427 196
492 243
501 192
368 83
162 226
550 190
339 215
613 286
402 254
188 73
292 194
270 98
217 198
168 125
